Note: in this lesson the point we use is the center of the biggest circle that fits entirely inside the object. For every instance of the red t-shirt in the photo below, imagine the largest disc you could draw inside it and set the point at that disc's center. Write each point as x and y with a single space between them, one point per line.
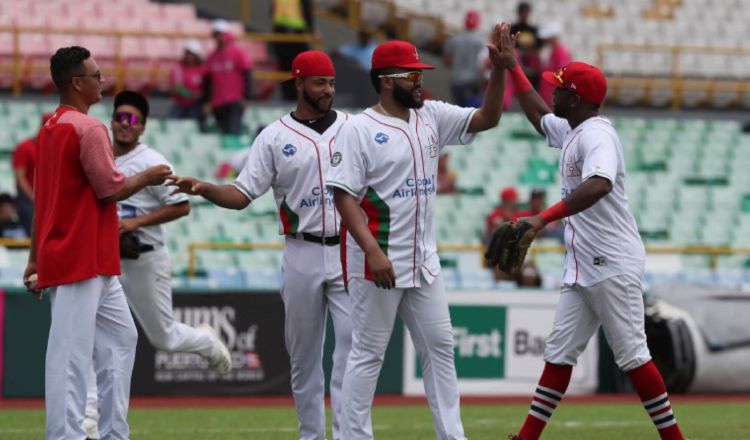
76 233
496 217
24 156
227 68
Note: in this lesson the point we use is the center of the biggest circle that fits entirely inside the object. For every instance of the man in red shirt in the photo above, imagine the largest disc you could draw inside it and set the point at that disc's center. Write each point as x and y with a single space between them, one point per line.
75 253
507 210
24 160
228 83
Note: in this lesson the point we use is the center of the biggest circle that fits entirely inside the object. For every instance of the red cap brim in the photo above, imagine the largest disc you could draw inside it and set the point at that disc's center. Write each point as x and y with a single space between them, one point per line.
415 66
552 79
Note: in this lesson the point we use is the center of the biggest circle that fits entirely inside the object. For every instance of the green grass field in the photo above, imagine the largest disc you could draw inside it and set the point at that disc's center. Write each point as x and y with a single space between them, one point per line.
708 421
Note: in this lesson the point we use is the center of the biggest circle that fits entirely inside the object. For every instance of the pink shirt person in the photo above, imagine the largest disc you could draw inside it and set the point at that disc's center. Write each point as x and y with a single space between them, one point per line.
227 68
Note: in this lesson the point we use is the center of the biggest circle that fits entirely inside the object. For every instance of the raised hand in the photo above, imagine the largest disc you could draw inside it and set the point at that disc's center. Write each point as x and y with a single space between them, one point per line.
502 47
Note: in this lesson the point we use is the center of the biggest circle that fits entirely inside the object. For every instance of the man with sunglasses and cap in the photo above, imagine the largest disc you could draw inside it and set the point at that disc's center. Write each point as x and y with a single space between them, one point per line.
605 257
146 278
74 253
383 174
291 156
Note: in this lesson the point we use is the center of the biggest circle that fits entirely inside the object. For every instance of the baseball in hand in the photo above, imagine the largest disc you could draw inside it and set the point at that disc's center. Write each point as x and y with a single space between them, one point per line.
31 282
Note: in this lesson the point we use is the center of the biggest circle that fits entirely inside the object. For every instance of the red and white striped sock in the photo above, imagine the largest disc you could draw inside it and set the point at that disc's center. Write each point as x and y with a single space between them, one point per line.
552 386
653 393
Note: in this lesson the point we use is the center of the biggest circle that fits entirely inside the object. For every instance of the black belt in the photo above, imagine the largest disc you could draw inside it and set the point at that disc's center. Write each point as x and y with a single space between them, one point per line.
328 241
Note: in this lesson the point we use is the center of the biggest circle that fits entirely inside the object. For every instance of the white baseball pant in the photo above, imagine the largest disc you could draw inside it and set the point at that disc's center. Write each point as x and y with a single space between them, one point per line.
424 311
91 325
147 285
617 305
313 285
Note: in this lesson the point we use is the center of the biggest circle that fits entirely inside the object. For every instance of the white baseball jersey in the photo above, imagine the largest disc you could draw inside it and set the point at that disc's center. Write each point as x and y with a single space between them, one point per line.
390 166
602 241
148 199
293 159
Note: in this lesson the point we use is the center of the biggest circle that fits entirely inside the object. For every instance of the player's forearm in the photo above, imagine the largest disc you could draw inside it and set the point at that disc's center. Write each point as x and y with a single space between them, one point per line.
531 103
165 214
489 114
587 194
226 196
23 184
132 185
354 219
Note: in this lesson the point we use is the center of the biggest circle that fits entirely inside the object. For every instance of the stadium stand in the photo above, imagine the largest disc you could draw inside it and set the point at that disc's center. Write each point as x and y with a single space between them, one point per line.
687 183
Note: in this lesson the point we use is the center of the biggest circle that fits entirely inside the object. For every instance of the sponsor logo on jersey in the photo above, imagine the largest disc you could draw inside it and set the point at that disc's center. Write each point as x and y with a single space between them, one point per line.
600 261
289 150
316 198
125 211
381 138
336 159
412 187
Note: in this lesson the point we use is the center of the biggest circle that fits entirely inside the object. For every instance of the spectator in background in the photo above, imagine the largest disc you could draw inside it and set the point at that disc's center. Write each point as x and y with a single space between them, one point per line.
24 163
506 211
361 51
537 204
291 17
463 53
187 84
528 44
559 56
228 82
10 226
446 178
528 276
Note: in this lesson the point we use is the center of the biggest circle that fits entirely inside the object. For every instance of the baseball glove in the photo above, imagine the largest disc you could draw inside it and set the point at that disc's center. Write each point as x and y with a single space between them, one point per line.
509 244
130 246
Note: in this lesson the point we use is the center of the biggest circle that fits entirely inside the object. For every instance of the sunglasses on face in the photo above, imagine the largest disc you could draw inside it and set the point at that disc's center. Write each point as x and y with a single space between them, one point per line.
97 75
123 117
414 76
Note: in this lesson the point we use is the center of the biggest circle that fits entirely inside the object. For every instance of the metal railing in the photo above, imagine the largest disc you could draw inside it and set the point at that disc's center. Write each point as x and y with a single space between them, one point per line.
120 67
676 81
713 252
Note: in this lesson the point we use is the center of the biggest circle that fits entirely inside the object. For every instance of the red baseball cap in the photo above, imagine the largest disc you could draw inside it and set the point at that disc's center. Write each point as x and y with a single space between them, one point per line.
472 19
583 79
397 53
509 194
312 63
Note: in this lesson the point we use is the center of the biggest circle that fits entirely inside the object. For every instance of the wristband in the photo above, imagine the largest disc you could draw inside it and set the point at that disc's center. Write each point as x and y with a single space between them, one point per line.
555 212
520 82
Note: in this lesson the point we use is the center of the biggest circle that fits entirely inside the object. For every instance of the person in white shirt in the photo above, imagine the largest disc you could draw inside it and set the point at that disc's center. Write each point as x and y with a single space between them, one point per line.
291 156
146 279
384 177
605 257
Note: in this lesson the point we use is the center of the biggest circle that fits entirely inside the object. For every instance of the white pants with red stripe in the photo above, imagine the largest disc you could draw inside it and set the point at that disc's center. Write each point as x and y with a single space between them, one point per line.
91 324
314 286
424 311
617 305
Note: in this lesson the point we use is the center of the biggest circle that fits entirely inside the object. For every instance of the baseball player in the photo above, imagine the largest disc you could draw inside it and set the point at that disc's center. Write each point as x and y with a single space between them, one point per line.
147 278
74 252
383 173
605 257
291 157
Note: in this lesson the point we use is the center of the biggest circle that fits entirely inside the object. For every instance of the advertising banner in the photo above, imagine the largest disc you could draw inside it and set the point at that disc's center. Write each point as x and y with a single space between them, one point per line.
499 342
252 326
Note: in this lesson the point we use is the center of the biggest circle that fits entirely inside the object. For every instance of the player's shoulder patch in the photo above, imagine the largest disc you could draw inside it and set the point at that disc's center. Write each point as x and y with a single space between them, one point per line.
336 159
381 138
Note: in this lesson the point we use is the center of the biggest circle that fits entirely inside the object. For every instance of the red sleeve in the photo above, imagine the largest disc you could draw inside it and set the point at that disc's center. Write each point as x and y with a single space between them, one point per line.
98 162
22 154
243 59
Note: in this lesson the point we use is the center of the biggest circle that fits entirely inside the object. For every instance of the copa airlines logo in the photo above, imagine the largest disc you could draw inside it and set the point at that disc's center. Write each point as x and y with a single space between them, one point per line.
423 187
289 150
381 138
